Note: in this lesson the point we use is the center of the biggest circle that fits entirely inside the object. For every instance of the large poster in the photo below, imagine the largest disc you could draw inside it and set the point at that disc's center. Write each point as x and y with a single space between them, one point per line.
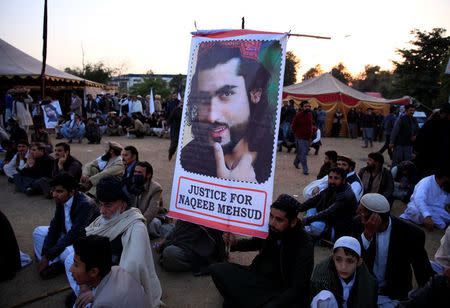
227 147
52 112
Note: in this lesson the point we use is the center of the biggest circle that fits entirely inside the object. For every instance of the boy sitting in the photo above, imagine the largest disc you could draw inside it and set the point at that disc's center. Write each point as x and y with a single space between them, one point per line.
343 280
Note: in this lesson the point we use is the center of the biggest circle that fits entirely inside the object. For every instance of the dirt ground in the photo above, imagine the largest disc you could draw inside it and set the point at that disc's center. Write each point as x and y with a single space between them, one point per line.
179 289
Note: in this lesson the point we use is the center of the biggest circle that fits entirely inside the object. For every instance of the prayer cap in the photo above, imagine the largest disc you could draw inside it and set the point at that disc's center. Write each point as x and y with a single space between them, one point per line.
348 242
109 189
375 202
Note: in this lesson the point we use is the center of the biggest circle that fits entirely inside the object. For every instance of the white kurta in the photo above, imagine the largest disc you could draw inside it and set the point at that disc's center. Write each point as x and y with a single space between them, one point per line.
428 199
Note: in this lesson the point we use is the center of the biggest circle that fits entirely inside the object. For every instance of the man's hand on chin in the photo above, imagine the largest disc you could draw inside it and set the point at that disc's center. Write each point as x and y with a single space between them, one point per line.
244 170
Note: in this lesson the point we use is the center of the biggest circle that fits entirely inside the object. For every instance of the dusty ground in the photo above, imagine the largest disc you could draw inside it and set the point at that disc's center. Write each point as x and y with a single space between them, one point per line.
179 289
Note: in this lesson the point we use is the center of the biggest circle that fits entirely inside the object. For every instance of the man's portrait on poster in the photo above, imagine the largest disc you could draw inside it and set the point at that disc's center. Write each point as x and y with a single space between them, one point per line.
231 120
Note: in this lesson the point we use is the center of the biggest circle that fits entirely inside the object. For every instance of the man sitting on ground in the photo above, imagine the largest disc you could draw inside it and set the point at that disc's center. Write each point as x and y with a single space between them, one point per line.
74 211
328 163
279 276
93 133
18 161
138 128
332 210
39 165
130 157
376 178
430 200
343 279
113 286
124 226
390 246
109 164
113 127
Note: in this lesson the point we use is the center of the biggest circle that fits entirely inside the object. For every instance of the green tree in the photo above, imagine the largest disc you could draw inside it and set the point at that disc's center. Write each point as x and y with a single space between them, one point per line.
419 74
373 79
98 72
158 84
340 73
290 69
312 72
178 83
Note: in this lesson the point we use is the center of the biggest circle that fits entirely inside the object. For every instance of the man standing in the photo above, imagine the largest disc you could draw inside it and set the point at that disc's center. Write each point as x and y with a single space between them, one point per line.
388 125
403 135
75 104
279 275
289 116
390 246
91 107
113 286
352 118
174 121
368 122
302 128
331 210
429 201
321 118
376 178
109 164
230 116
74 211
124 226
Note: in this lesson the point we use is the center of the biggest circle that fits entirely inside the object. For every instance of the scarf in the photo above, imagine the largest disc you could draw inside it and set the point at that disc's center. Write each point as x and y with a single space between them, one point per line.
370 182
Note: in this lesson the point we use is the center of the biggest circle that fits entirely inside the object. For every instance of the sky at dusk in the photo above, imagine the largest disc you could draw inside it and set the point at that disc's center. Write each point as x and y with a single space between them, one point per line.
155 35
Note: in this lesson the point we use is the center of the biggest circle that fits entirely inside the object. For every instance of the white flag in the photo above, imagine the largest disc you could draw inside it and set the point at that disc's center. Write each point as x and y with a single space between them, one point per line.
151 103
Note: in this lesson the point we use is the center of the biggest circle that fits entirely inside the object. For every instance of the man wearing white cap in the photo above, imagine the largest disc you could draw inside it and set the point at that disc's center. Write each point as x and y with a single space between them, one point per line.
343 279
390 246
136 105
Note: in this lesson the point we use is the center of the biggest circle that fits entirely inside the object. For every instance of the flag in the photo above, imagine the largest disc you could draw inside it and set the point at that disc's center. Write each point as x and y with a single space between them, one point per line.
151 103
179 96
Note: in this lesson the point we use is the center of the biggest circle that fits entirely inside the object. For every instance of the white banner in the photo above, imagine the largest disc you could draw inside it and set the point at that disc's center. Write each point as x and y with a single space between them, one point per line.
227 147
52 112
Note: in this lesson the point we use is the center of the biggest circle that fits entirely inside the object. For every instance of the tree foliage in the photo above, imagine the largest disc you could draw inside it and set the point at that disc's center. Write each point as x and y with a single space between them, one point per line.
98 72
158 84
419 74
178 83
312 72
290 69
373 79
340 73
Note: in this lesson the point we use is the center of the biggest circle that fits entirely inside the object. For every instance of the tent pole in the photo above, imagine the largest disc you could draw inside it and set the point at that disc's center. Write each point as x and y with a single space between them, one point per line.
44 51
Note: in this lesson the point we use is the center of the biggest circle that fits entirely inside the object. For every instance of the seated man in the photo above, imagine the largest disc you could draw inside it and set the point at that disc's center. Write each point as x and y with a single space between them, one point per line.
316 136
11 150
41 135
441 261
130 157
137 129
279 275
100 122
74 211
429 200
113 127
18 161
376 178
190 247
16 132
149 198
113 286
343 280
63 163
93 133
331 210
390 246
124 226
39 165
109 164
74 129
328 163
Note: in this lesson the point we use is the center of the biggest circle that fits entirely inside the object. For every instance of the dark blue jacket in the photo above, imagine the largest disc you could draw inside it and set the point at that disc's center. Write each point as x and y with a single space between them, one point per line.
82 212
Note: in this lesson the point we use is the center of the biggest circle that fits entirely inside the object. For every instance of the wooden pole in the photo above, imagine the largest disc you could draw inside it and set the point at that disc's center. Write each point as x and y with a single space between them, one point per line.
44 295
311 36
243 23
44 51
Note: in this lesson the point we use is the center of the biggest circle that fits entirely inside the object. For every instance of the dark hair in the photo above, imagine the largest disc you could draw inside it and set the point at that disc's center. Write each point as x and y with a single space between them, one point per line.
148 167
132 150
64 145
347 252
443 171
332 155
339 171
409 106
378 157
303 103
39 145
6 143
95 252
291 101
287 204
392 109
66 180
22 141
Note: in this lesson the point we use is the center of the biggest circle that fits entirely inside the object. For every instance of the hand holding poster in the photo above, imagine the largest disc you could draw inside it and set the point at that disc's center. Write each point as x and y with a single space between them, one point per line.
224 172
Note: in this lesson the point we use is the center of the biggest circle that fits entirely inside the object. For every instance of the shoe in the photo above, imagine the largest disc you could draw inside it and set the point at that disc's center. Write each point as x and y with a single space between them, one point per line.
52 271
170 157
306 173
364 146
29 191
296 165
289 150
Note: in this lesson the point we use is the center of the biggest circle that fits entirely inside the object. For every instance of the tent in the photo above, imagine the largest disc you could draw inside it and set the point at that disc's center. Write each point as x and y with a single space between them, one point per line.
19 68
331 94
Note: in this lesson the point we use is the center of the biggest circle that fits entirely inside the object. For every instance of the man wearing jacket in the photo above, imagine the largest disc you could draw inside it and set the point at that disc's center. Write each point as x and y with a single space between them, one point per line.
302 128
403 135
74 211
280 274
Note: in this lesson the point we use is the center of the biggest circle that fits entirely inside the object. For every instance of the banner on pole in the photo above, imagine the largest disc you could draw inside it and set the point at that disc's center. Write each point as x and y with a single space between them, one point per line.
52 112
225 164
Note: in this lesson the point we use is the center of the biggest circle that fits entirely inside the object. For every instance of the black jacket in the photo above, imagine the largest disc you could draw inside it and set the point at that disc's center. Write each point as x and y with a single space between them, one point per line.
42 168
387 182
406 249
295 266
71 166
404 128
82 212
435 294
338 215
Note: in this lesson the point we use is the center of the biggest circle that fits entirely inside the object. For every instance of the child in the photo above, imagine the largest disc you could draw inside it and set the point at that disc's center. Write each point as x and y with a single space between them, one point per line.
343 280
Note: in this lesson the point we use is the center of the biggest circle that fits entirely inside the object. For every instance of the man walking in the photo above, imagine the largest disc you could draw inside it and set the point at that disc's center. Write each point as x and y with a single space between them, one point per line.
302 128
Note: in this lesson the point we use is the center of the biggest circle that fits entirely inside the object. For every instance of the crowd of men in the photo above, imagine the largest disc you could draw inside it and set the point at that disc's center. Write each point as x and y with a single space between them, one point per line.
107 210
